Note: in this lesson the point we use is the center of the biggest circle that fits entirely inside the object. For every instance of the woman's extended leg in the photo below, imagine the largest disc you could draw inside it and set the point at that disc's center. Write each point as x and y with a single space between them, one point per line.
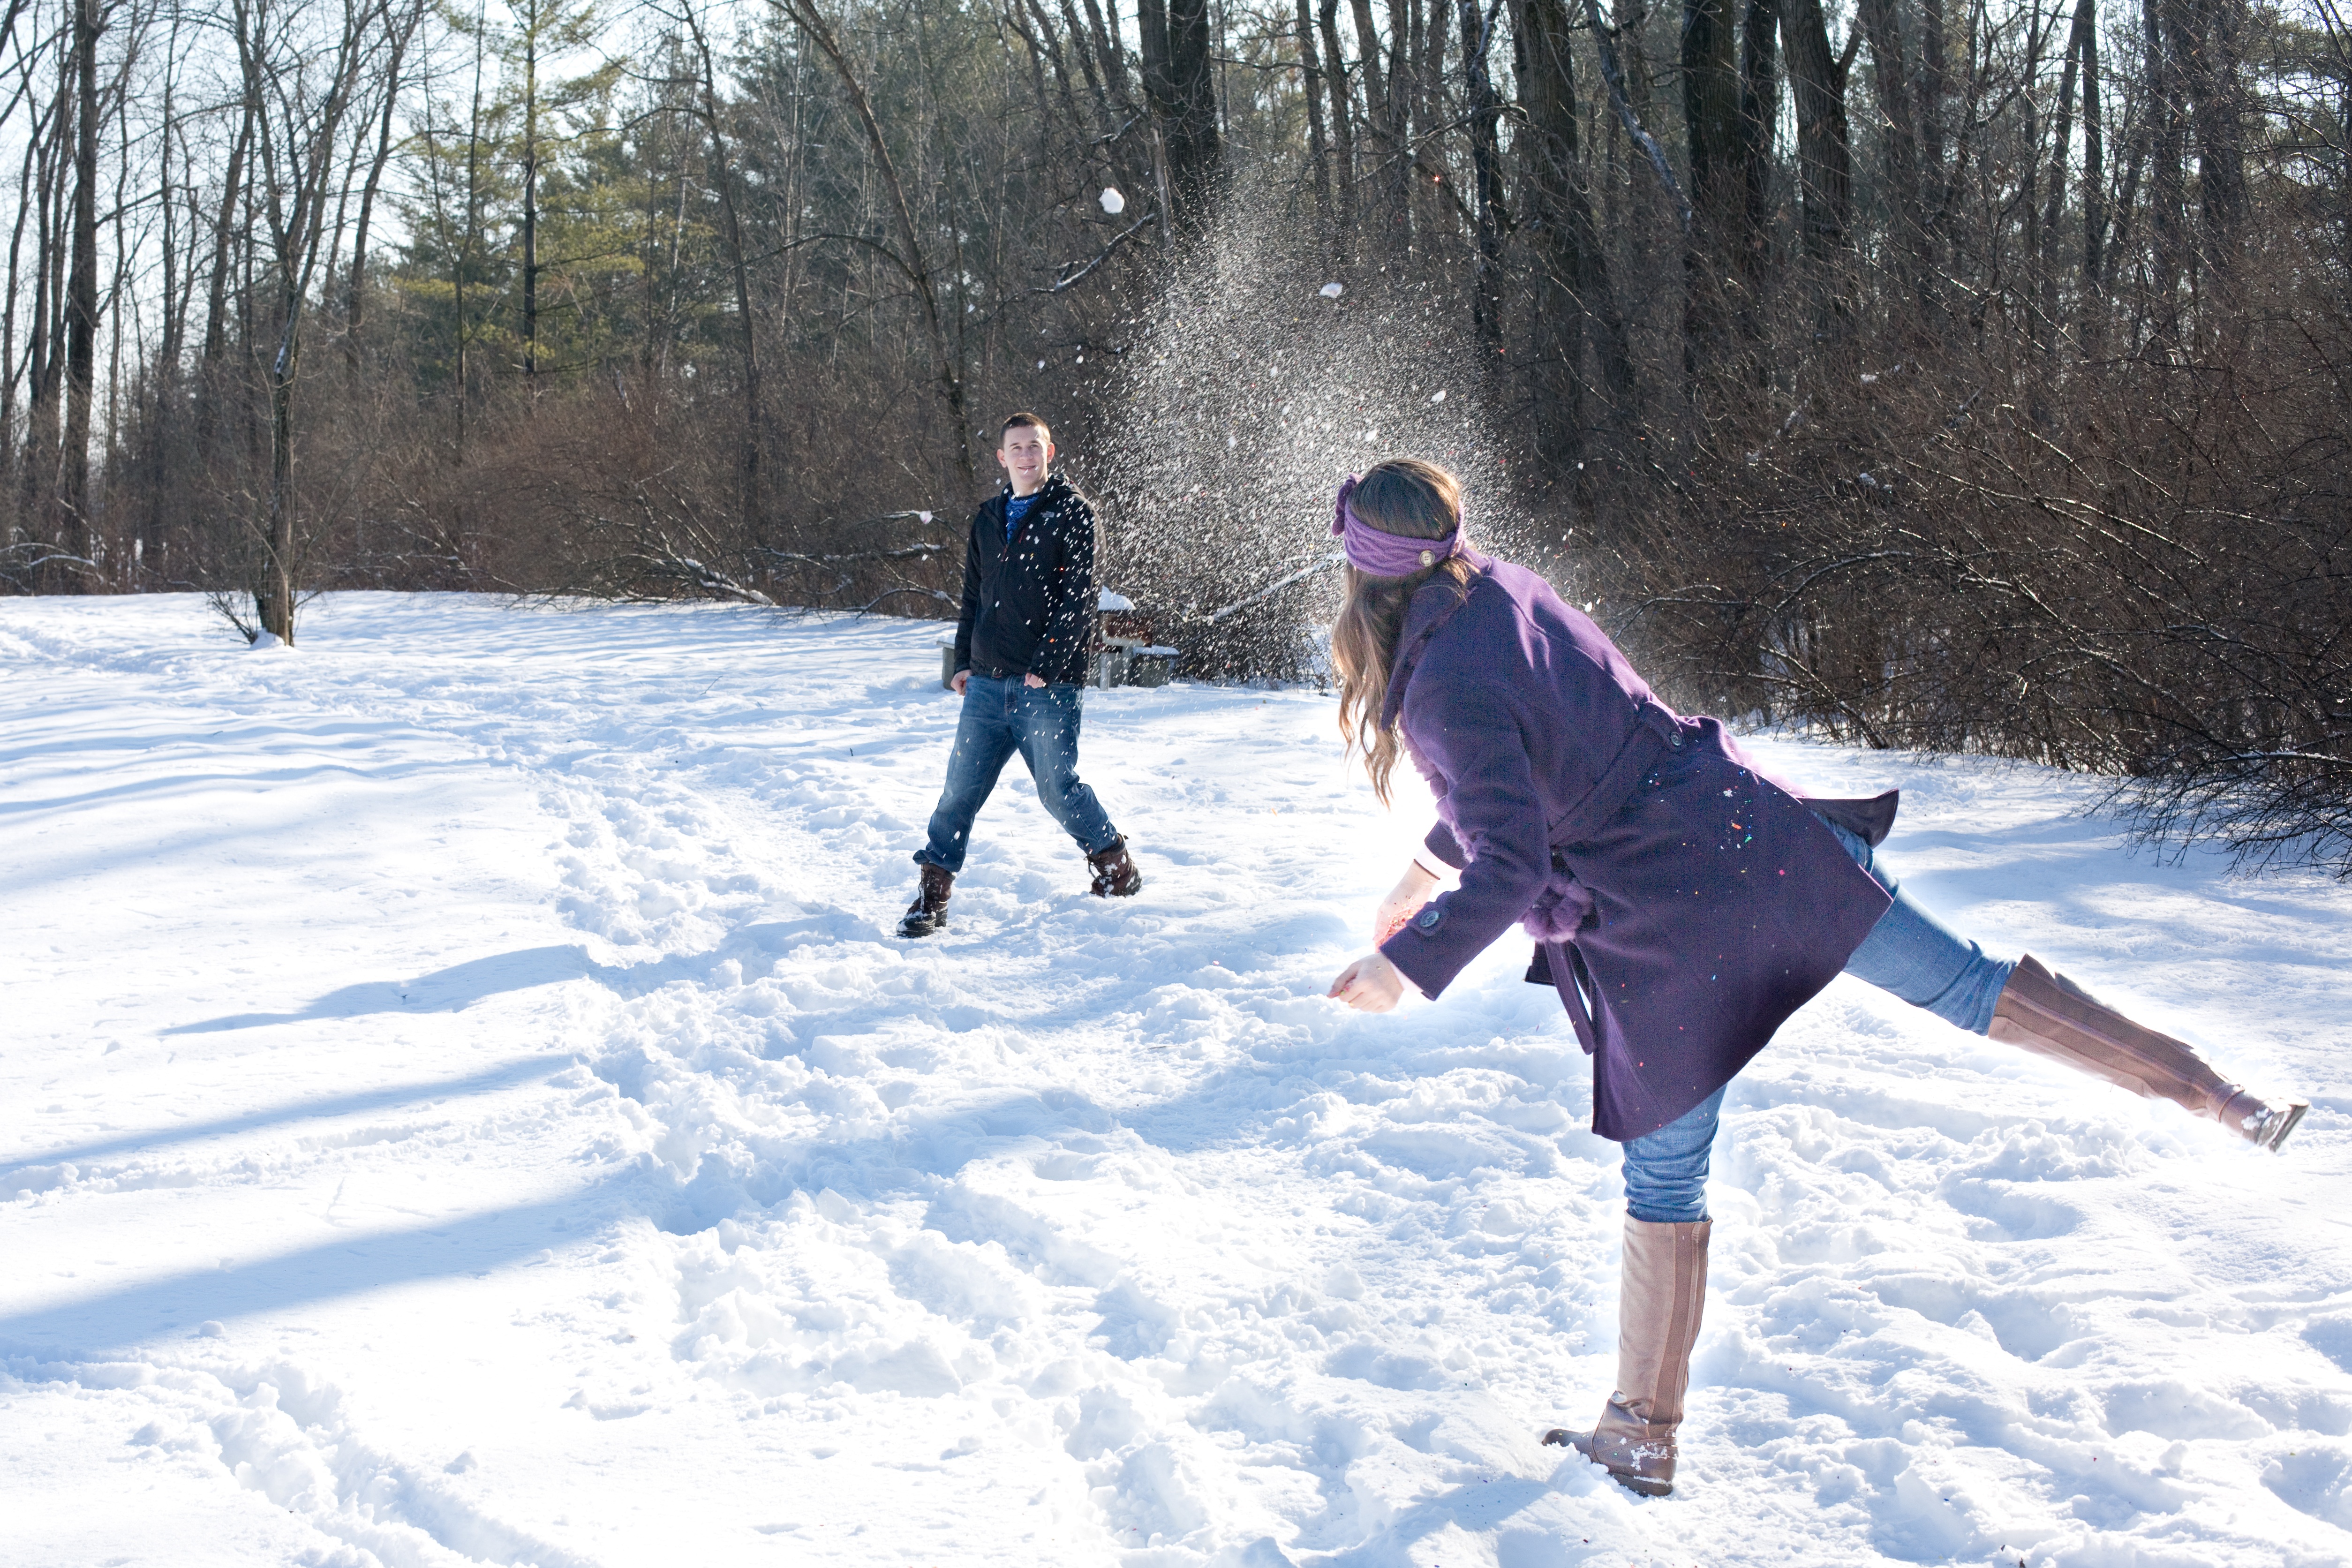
2021 1003
1914 956
1660 1298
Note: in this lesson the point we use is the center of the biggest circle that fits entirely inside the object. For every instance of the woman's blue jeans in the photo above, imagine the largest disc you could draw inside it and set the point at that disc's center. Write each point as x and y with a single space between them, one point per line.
1909 953
999 718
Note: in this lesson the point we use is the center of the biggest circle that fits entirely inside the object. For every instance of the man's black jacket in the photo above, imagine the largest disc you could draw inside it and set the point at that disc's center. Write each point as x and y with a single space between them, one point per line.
1029 605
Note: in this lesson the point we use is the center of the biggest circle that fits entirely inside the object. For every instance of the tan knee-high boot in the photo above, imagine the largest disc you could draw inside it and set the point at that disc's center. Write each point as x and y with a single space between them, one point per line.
1658 1310
2053 1016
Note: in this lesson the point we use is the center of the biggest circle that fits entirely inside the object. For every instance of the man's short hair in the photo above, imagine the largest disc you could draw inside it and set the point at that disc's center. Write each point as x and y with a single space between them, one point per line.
1014 421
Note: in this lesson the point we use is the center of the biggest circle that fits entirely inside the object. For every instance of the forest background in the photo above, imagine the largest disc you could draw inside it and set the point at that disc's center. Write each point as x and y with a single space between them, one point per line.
1953 374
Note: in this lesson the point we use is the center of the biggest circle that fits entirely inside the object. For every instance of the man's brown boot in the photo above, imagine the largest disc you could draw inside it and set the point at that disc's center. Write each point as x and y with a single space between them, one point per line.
1114 874
2053 1016
1658 1310
929 912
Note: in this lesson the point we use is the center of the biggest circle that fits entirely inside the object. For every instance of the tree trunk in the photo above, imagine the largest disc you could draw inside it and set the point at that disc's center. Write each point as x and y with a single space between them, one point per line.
162 384
2029 187
124 549
529 196
2062 139
172 342
464 256
1486 174
277 597
1759 111
1151 45
1711 128
81 298
355 301
1824 157
1196 147
1112 57
10 452
1711 113
44 363
2206 40
2095 164
1096 93
217 292
1895 103
1318 156
1406 41
1434 219
2167 185
1386 177
1572 297
1934 86
1343 131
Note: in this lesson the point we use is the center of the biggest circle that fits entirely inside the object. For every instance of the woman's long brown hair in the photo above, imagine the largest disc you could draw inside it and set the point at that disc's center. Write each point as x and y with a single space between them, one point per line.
1413 500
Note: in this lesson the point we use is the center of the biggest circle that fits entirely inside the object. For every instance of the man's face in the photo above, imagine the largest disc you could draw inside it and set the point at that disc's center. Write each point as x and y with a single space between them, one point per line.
1025 454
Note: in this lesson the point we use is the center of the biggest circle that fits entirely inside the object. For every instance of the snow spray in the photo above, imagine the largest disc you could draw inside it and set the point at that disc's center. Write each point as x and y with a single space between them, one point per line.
1260 377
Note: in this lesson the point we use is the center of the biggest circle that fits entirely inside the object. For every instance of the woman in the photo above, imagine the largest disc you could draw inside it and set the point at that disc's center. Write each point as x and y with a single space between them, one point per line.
1682 903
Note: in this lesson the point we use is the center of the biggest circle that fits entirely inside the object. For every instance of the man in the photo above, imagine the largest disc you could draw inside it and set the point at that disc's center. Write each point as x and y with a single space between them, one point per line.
1020 657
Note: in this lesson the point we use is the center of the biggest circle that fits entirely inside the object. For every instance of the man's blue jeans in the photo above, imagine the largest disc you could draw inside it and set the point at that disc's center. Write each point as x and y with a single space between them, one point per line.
999 718
1909 954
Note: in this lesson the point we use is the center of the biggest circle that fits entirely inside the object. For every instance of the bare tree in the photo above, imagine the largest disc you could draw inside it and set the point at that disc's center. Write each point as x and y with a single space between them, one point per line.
909 257
301 84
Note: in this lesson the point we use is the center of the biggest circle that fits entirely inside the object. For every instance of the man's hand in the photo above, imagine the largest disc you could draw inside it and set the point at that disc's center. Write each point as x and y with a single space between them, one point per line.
961 679
1371 984
1412 891
1032 680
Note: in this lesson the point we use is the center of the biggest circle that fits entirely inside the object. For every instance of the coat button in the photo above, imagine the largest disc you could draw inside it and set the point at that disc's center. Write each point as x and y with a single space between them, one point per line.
1428 918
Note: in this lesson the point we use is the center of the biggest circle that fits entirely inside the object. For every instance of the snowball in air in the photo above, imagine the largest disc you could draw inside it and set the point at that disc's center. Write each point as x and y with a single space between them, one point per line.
1113 203
1332 291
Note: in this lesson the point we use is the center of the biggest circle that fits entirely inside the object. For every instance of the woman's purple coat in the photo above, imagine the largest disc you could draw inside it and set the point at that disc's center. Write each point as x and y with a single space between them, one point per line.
1683 904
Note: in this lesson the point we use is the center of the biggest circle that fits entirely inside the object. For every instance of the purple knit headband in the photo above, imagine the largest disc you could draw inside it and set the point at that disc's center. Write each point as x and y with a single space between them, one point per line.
1385 554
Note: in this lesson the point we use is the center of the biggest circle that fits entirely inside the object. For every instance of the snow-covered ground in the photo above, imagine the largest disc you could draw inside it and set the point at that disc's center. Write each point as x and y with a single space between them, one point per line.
464 1103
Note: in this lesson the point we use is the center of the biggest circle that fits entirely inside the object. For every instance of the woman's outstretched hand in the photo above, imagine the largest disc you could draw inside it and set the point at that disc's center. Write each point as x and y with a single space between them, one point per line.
1371 984
1404 901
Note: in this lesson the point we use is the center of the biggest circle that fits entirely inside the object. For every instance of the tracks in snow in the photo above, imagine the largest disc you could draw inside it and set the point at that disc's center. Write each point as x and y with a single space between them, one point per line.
1154 1253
